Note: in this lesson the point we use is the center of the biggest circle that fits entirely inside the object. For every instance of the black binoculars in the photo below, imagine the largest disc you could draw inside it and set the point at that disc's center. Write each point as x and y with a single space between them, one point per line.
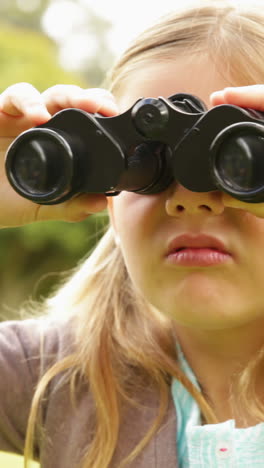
143 150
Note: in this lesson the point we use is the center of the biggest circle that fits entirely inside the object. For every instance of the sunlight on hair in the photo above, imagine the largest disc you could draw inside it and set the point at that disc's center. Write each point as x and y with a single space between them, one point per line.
8 460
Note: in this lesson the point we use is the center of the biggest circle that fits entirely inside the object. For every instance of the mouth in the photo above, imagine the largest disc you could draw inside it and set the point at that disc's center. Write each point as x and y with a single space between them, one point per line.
197 250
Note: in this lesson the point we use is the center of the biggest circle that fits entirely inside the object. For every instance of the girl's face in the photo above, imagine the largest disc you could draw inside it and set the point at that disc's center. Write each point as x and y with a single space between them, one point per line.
194 259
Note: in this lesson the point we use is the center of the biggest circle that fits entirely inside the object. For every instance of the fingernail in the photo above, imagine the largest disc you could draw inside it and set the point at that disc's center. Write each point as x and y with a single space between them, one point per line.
109 95
217 94
38 113
113 106
33 108
101 92
106 102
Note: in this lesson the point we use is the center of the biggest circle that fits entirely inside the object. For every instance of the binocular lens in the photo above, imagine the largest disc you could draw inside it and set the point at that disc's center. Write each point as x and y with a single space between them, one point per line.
239 164
40 167
32 167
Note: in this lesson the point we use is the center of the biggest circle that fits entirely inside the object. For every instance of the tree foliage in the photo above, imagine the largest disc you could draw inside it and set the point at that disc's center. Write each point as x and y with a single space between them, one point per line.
92 70
27 14
27 55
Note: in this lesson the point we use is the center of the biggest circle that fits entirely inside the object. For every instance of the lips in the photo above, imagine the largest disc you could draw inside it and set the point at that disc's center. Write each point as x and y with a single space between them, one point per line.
197 250
201 241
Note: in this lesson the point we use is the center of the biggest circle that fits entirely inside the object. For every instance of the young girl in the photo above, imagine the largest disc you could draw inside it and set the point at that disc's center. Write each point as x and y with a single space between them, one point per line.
151 355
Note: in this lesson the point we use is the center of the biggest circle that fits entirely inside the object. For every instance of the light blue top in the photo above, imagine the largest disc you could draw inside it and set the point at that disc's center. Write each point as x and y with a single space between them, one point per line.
212 445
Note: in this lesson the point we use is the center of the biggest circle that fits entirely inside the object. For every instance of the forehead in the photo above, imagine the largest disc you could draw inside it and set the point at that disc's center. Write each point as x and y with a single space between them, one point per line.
195 75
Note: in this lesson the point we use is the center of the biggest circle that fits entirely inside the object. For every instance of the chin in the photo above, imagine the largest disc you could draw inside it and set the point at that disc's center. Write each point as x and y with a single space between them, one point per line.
205 305
208 313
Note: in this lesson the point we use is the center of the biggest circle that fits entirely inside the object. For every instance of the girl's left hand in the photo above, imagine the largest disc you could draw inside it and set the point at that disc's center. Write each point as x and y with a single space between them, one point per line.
247 97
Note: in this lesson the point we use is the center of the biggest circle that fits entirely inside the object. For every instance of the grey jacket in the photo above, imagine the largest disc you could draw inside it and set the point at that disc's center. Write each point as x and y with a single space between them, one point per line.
67 429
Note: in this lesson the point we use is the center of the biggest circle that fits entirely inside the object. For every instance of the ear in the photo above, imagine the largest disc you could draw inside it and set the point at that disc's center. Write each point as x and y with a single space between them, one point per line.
110 207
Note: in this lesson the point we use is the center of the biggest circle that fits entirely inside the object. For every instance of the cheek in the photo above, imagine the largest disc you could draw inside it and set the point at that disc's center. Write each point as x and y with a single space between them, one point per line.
248 243
254 232
135 216
138 220
250 229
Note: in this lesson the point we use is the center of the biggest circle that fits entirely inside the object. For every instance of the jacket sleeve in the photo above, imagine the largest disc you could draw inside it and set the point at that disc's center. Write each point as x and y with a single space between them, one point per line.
19 367
21 346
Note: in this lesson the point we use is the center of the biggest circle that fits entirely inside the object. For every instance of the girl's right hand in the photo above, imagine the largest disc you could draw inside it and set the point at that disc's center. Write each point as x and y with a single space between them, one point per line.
23 107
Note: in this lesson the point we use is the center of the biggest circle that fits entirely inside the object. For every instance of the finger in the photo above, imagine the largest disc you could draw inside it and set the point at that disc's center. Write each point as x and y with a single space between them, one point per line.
11 127
73 210
23 99
243 96
91 100
217 98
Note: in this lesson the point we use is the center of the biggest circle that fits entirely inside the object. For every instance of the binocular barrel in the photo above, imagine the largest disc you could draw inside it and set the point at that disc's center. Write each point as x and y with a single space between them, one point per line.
143 150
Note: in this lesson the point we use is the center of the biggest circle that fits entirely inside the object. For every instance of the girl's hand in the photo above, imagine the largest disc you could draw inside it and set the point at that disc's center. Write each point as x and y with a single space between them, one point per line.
23 107
247 97
243 96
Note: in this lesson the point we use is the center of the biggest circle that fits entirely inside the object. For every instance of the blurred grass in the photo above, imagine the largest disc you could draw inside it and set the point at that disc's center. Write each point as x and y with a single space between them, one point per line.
13 461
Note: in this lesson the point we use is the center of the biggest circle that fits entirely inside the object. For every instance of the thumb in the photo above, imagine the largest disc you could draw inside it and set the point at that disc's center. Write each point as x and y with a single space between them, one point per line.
73 210
257 209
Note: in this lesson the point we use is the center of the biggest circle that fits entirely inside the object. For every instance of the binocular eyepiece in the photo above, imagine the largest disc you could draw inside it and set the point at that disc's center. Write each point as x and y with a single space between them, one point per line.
143 150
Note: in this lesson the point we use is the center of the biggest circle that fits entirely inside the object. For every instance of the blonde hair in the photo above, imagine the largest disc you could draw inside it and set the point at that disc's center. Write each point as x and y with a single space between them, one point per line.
112 320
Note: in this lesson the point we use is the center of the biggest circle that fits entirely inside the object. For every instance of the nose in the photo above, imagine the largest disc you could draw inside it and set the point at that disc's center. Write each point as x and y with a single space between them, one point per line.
181 201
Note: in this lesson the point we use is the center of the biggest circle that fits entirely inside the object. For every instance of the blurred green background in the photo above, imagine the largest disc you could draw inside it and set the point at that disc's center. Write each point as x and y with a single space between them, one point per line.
34 258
